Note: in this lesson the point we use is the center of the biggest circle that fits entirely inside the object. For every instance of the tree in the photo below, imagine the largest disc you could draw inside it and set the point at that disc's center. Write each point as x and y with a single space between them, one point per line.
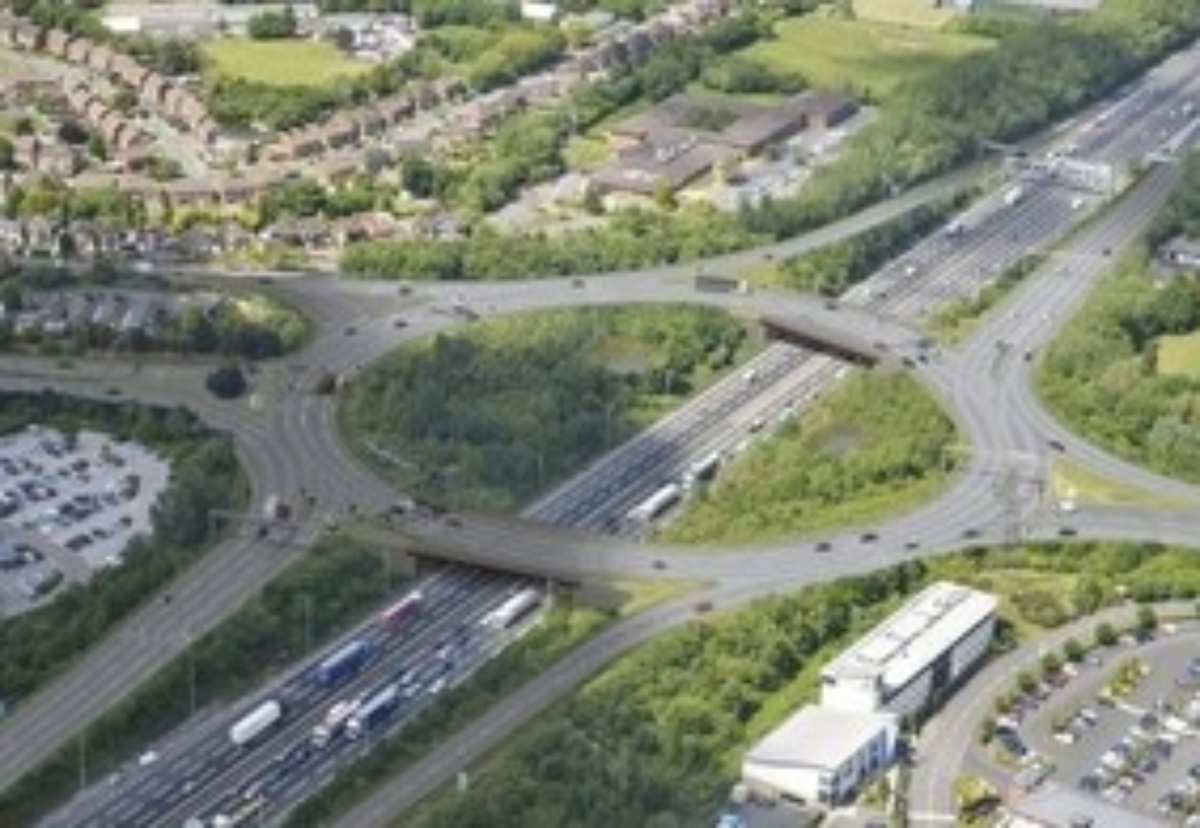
1073 650
227 382
1147 618
1105 634
7 154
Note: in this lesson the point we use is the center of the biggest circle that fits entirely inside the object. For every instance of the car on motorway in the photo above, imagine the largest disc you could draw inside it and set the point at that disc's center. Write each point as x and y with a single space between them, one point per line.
970 533
869 537
823 546
1067 532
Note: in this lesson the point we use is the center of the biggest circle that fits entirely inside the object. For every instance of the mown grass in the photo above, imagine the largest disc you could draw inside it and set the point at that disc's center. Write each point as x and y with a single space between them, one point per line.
860 55
920 13
281 62
1179 355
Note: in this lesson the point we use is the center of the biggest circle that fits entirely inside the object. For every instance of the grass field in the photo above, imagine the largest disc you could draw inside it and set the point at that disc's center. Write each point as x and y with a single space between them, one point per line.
834 53
1179 355
281 62
919 13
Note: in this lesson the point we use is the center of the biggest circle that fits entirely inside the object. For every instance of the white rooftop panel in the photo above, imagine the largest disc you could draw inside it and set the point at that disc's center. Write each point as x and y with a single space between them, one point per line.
818 737
912 637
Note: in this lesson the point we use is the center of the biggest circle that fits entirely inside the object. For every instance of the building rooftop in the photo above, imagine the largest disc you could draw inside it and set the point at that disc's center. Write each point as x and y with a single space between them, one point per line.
908 640
818 737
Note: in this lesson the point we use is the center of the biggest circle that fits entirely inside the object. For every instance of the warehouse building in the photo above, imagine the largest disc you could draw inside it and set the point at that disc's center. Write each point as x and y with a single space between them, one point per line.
917 657
822 756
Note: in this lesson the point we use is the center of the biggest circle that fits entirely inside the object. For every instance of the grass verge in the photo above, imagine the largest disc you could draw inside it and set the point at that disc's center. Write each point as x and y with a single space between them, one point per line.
1070 480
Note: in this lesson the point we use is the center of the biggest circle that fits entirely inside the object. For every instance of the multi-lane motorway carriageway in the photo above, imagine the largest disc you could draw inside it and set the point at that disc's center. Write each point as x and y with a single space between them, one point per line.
291 438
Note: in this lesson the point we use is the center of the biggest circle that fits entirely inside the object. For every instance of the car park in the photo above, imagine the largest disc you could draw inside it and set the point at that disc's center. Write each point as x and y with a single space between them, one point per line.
70 504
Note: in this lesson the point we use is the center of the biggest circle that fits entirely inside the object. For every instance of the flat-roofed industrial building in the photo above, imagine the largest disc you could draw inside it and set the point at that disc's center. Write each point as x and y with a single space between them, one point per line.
822 756
917 657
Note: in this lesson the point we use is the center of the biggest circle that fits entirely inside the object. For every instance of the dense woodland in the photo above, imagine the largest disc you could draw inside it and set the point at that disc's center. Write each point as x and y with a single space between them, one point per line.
1102 373
493 417
205 476
876 443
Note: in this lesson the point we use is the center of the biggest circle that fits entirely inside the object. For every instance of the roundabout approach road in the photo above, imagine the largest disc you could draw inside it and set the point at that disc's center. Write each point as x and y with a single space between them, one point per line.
288 440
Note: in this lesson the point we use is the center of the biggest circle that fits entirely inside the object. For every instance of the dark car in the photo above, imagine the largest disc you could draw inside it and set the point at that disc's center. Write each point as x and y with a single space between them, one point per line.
823 546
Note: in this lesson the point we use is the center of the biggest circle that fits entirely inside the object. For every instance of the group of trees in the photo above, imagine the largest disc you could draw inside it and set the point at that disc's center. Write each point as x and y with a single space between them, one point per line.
273 25
875 444
632 239
491 418
169 55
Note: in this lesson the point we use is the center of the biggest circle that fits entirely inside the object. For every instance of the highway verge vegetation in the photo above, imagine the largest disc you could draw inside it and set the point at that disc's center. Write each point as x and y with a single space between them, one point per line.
834 268
1104 374
877 444
490 418
1038 71
337 583
657 738
205 477
955 320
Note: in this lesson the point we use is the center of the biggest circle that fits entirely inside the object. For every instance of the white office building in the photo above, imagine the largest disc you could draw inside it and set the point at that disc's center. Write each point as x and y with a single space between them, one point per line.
917 657
822 755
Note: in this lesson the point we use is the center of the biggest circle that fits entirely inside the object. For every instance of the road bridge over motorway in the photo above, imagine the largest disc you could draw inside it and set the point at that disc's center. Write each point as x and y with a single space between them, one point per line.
841 342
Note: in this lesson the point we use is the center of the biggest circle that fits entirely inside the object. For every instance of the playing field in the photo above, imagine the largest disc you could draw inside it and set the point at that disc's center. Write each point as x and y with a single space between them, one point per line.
920 13
281 62
1179 355
835 53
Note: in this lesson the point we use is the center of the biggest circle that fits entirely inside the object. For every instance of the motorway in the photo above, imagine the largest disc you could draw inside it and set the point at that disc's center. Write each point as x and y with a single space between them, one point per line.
200 773
288 440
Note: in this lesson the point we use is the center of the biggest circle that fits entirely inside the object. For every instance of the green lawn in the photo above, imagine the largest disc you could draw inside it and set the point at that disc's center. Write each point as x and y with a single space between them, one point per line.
584 152
834 53
920 13
281 62
1179 355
